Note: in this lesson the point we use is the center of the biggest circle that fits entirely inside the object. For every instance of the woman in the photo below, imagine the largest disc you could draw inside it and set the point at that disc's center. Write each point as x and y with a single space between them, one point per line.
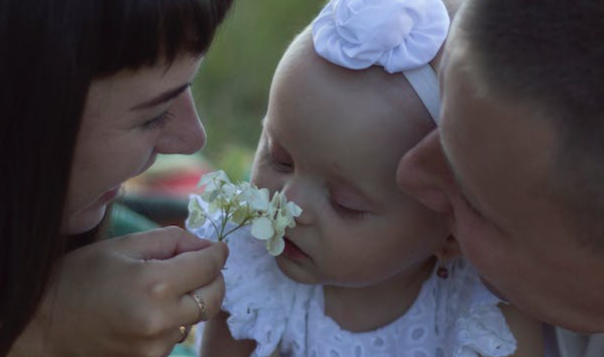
91 91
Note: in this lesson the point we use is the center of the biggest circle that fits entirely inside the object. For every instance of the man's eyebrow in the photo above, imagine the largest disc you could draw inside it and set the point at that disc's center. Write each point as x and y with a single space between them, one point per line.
162 98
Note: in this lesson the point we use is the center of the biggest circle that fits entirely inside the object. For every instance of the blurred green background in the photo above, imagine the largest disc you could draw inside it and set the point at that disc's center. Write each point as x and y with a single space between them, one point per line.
231 89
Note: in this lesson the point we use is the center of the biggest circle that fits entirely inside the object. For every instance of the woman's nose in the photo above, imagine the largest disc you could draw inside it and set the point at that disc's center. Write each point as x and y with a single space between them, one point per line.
185 133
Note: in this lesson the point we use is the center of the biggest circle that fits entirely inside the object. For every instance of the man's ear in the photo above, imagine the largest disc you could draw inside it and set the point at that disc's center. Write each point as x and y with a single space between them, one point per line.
424 174
449 250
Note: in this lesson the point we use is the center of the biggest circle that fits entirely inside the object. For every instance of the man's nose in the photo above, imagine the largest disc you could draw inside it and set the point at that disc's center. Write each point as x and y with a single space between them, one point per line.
424 174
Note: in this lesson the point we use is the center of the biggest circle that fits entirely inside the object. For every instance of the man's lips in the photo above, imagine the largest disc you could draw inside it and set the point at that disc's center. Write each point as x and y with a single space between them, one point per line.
292 251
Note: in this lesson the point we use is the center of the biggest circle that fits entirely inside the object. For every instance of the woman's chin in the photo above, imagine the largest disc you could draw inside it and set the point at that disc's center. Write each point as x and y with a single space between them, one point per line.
85 220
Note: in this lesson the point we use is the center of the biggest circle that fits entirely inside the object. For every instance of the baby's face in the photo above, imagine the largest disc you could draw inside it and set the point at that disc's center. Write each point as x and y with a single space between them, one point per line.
331 141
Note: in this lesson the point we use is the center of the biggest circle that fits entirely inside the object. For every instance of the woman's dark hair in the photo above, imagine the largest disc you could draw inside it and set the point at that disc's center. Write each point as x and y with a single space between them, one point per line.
50 51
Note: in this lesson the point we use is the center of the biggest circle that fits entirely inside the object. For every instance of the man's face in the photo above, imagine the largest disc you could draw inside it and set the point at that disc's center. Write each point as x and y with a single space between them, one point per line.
492 167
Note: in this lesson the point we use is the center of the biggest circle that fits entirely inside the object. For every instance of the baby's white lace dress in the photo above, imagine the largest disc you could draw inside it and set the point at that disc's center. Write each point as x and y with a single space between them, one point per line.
454 317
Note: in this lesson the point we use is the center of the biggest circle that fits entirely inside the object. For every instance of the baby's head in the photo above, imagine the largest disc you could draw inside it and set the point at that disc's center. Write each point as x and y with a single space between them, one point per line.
331 141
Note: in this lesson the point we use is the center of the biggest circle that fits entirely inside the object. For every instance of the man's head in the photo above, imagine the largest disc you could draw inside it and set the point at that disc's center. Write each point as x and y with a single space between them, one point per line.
521 166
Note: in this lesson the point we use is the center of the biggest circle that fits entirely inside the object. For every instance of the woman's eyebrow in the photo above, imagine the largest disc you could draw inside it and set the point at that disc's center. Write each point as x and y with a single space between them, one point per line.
162 98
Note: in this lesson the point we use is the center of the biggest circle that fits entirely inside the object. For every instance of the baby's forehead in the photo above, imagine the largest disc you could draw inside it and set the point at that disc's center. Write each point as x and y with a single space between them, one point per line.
338 106
372 97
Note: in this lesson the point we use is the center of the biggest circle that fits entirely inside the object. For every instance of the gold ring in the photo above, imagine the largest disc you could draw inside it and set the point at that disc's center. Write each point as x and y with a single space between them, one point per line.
201 316
184 332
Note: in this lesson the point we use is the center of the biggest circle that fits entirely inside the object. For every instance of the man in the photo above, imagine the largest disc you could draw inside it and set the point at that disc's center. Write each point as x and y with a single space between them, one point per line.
518 163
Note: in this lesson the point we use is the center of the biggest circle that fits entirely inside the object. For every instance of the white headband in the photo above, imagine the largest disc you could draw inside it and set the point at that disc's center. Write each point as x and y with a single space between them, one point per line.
399 35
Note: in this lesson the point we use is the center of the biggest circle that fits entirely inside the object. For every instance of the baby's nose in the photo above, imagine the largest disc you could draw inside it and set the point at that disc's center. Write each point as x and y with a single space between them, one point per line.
296 194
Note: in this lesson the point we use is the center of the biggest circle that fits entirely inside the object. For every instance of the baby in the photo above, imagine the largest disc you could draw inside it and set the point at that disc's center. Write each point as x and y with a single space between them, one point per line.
367 271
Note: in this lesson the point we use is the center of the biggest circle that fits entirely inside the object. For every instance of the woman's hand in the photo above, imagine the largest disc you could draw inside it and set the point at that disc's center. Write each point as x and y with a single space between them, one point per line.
127 296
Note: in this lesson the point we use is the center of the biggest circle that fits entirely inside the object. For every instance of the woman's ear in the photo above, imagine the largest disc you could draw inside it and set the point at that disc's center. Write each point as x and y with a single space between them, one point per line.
449 250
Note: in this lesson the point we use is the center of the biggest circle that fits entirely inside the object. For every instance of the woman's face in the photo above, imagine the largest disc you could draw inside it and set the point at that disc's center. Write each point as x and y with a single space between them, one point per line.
129 118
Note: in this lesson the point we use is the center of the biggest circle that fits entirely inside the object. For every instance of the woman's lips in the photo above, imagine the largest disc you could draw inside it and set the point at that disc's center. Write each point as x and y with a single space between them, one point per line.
109 196
292 251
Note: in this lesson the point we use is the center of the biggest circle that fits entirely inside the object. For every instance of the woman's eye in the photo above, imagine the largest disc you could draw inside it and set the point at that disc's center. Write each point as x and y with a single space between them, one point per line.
158 122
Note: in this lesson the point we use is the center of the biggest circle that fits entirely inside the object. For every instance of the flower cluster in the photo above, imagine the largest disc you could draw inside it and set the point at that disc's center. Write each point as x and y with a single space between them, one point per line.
243 204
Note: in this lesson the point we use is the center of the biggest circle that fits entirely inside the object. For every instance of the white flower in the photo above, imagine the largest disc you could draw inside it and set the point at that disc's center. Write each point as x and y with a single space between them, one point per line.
275 247
243 204
262 228
213 180
271 226
197 215
258 199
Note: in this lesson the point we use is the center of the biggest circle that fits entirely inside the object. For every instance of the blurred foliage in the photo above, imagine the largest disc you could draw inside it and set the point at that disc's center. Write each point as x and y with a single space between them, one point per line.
231 90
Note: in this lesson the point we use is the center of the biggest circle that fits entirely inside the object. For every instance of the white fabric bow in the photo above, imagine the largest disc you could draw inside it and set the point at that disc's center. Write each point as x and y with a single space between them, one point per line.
399 35
395 34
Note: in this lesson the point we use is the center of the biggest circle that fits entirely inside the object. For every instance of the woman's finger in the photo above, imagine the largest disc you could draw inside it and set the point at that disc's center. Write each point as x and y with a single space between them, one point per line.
161 243
191 270
201 304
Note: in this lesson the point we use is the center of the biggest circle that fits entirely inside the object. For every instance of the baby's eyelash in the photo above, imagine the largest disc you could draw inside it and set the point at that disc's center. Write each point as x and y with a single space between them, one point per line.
158 122
276 164
346 212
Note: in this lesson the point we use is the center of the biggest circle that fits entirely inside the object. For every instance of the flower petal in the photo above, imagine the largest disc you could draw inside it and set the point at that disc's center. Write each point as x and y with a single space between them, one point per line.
275 246
259 199
240 215
262 228
214 207
294 209
196 219
194 203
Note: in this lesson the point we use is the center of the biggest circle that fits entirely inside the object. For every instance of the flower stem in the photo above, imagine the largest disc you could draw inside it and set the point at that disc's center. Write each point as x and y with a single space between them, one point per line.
236 228
225 220
215 227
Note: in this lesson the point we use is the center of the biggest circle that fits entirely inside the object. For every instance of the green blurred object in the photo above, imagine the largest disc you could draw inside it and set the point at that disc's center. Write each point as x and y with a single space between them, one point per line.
231 89
182 350
162 210
126 221
187 347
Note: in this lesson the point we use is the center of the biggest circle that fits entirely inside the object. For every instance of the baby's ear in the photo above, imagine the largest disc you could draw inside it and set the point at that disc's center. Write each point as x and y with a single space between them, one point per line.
449 250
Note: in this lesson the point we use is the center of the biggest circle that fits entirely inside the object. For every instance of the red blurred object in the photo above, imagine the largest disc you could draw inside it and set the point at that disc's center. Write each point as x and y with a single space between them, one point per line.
174 177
